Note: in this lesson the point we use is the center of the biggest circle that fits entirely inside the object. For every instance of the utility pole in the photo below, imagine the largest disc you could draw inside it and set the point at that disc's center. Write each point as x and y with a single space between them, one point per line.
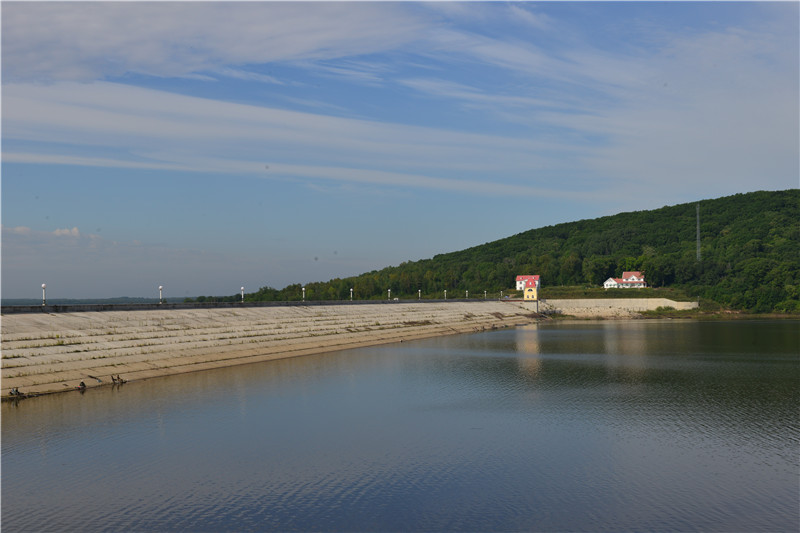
698 233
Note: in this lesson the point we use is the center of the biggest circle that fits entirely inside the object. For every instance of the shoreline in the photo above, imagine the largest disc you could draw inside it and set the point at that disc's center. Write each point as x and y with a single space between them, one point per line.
46 353
51 353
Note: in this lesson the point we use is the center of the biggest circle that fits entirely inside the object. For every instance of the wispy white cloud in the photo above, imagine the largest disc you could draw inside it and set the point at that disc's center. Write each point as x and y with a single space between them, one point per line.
523 14
152 129
249 76
715 117
706 111
64 159
397 179
326 173
362 72
18 230
74 232
493 15
474 96
95 40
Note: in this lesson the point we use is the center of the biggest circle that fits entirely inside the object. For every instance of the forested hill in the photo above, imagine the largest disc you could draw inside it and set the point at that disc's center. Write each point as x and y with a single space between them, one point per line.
750 256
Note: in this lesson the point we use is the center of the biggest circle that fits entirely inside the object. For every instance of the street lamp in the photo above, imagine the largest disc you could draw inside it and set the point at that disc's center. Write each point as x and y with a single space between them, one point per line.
351 295
44 299
160 289
242 289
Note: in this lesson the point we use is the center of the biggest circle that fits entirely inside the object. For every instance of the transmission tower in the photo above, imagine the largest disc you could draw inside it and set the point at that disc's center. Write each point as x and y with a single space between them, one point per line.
698 233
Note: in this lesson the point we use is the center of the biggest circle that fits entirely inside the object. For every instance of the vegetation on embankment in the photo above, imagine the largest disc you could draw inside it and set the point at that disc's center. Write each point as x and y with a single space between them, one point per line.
750 258
714 314
570 292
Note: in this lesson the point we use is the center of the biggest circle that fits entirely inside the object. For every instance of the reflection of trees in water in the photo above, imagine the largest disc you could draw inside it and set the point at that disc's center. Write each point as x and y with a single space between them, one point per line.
710 376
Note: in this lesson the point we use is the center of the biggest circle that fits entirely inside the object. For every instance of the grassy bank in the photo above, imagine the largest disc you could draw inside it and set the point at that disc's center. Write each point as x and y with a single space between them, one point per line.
717 314
575 292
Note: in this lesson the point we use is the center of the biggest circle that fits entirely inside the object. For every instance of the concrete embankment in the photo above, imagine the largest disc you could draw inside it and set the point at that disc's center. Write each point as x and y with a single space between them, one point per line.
52 352
611 307
44 352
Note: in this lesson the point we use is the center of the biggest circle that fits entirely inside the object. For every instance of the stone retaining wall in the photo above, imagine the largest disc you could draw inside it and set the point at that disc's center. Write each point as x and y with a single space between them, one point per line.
611 307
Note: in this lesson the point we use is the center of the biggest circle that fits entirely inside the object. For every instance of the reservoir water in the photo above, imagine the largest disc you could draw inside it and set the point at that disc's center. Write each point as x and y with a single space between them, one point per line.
583 426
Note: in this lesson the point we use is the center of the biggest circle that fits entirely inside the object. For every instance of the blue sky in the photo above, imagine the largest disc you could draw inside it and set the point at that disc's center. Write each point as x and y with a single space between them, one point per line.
205 146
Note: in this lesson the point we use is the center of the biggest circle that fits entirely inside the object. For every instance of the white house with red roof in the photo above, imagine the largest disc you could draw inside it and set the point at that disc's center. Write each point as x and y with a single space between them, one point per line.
527 281
629 280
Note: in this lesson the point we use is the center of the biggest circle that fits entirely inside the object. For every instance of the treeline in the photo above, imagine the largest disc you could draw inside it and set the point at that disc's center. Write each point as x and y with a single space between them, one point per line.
750 257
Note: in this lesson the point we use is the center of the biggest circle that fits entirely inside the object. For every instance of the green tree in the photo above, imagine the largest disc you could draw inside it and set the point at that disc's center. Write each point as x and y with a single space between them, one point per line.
597 269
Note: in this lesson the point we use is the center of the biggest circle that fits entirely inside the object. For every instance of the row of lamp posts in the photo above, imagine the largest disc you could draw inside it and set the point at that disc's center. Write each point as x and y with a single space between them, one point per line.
161 294
161 291
389 292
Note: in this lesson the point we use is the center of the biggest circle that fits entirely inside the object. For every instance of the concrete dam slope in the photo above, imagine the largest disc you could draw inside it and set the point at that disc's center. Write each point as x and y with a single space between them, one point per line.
46 352
51 352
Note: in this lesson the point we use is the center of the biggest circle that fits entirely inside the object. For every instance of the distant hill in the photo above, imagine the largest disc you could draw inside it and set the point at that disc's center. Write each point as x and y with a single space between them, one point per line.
750 257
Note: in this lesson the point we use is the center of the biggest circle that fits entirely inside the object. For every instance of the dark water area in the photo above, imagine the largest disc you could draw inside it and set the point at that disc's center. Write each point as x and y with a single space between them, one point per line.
590 426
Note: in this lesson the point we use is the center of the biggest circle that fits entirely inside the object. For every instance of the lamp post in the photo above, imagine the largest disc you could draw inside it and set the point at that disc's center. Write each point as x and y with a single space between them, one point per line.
351 295
304 294
242 289
44 299
160 289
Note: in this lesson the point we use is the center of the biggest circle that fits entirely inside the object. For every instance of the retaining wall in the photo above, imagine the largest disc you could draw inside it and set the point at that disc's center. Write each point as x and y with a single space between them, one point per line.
611 307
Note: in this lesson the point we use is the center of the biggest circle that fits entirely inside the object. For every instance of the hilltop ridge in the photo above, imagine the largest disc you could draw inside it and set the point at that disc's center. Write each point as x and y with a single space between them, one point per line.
748 245
749 259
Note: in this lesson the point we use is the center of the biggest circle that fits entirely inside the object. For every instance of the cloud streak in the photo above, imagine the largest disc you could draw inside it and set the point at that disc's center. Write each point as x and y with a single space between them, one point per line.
94 40
155 129
687 95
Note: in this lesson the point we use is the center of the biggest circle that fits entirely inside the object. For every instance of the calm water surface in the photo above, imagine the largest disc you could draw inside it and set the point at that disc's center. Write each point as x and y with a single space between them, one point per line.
599 426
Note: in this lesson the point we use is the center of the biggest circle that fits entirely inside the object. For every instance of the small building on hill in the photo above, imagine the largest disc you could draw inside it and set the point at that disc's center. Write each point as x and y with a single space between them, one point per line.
522 281
529 285
629 280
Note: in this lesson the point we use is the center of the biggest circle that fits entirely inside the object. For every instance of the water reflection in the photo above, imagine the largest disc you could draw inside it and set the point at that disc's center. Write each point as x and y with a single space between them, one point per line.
571 426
